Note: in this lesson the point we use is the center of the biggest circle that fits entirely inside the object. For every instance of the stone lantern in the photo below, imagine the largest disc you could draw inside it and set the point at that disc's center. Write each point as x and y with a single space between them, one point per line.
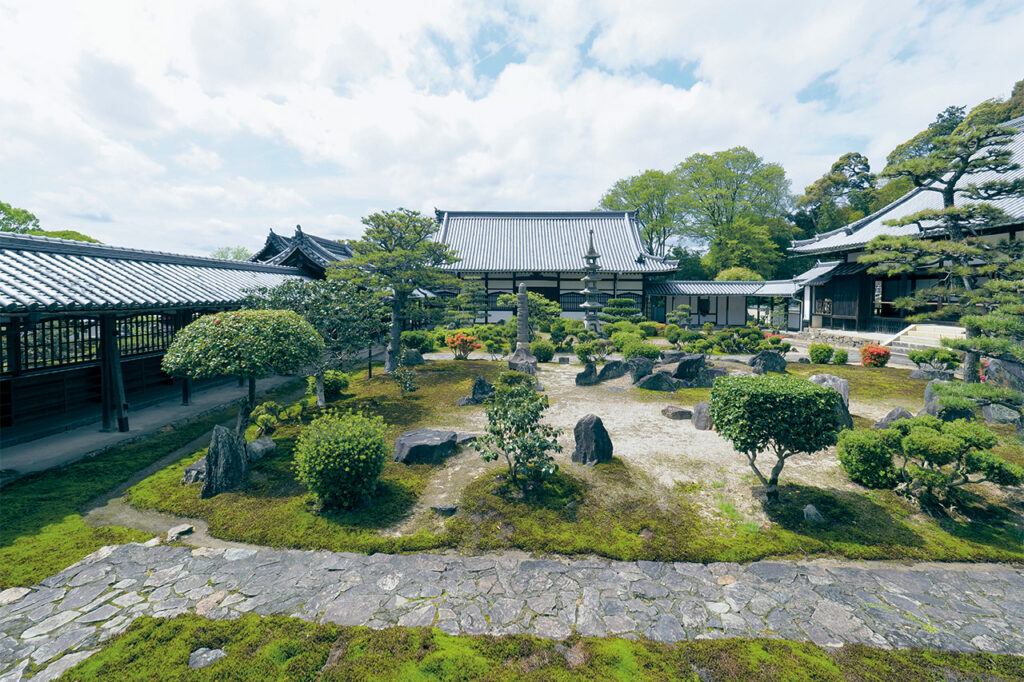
590 304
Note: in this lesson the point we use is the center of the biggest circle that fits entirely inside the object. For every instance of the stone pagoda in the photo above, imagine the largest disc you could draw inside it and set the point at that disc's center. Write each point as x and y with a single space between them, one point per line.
590 304
522 359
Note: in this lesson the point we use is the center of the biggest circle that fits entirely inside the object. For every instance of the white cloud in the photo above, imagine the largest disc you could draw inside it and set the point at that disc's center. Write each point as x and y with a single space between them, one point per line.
193 125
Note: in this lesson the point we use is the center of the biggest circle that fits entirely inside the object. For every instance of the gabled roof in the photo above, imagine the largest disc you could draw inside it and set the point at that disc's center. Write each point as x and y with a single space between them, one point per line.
704 288
858 233
553 241
45 274
302 250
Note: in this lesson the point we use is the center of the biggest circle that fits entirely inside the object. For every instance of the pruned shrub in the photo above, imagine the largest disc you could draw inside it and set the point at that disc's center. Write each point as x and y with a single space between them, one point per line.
585 352
866 459
420 340
461 345
935 358
820 353
513 378
543 350
639 349
339 457
648 329
266 417
620 310
335 383
874 356
515 433
622 339
840 357
782 414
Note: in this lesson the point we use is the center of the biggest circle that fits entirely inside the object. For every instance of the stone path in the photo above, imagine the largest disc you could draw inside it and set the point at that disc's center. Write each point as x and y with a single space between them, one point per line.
54 625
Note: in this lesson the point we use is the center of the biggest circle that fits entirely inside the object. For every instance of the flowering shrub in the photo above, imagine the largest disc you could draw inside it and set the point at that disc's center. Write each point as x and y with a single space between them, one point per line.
461 345
874 356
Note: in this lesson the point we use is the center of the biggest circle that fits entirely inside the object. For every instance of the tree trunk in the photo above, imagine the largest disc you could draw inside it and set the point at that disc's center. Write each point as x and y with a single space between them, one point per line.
321 398
972 363
252 393
391 361
369 361
771 490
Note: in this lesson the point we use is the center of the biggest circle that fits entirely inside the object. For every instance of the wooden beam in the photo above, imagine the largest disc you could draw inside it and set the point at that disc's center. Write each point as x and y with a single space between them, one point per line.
115 405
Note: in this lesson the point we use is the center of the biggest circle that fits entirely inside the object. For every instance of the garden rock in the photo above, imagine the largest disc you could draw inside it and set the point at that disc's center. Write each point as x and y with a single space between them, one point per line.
768 361
812 515
588 377
413 358
930 395
690 365
194 472
424 446
640 368
593 444
702 416
173 534
659 381
523 361
930 374
895 414
200 658
840 386
804 361
1003 374
483 391
946 414
676 412
226 462
257 449
464 438
998 414
670 356
563 359
445 509
613 369
705 377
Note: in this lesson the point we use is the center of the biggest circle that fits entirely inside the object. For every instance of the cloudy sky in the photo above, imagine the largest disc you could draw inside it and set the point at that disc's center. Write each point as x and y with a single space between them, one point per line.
184 126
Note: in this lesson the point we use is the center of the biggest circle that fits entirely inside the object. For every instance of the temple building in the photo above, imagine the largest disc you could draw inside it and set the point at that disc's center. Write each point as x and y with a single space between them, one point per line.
310 254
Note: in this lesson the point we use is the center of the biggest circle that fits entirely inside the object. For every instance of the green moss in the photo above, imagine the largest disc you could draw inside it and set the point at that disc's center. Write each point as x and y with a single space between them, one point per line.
41 530
891 386
279 648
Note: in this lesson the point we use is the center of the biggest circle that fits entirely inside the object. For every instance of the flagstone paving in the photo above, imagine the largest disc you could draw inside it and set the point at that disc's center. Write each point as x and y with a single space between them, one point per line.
51 627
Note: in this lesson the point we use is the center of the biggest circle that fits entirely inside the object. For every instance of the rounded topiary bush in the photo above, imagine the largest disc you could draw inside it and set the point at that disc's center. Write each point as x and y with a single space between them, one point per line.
420 340
513 378
840 357
340 457
820 353
639 349
648 329
622 339
866 459
335 383
543 350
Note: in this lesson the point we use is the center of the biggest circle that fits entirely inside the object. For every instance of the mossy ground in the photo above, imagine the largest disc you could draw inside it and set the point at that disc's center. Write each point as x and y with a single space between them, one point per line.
280 648
41 527
607 510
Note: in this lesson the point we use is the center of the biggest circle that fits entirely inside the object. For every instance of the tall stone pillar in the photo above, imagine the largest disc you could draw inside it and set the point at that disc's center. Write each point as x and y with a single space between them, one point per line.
522 359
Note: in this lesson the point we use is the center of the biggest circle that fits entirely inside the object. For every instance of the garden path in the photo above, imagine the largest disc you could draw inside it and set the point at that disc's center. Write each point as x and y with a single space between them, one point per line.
48 628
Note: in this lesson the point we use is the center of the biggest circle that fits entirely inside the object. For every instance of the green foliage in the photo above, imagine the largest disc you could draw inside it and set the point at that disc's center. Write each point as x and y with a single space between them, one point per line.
468 305
422 341
542 310
936 358
403 374
622 339
639 349
72 235
820 353
397 253
231 253
543 350
243 343
784 414
621 310
679 337
585 352
846 193
738 273
649 329
340 458
513 378
515 433
652 194
874 356
266 417
14 219
840 356
866 460
679 316
730 340
335 383
932 458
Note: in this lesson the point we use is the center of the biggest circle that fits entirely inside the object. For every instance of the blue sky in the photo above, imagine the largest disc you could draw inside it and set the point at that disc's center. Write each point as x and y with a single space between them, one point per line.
187 126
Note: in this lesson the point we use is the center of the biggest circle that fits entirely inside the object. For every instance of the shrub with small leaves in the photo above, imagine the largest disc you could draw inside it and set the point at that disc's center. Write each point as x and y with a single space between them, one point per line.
585 352
516 434
420 340
820 353
403 374
840 357
648 329
874 356
266 417
639 349
935 358
543 350
335 383
513 378
708 327
622 339
866 460
339 457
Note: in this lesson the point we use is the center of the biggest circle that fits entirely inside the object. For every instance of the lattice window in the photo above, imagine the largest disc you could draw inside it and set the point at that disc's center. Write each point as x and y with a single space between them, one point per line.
141 334
55 343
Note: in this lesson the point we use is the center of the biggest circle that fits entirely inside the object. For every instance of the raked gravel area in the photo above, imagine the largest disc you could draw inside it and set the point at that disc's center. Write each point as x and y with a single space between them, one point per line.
48 628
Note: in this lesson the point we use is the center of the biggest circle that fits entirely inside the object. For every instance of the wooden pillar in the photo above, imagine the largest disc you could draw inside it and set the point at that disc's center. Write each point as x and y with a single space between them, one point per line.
14 346
115 405
487 300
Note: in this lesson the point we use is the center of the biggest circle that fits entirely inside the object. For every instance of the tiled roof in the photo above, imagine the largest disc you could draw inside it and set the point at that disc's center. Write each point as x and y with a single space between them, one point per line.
859 233
44 274
703 288
545 242
279 250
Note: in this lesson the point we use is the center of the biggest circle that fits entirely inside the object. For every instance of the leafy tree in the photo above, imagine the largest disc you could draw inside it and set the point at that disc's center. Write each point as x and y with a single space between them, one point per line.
926 458
73 235
652 194
231 253
515 433
744 244
689 263
541 310
347 316
738 273
959 257
923 143
783 414
244 343
464 309
397 254
14 219
844 194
